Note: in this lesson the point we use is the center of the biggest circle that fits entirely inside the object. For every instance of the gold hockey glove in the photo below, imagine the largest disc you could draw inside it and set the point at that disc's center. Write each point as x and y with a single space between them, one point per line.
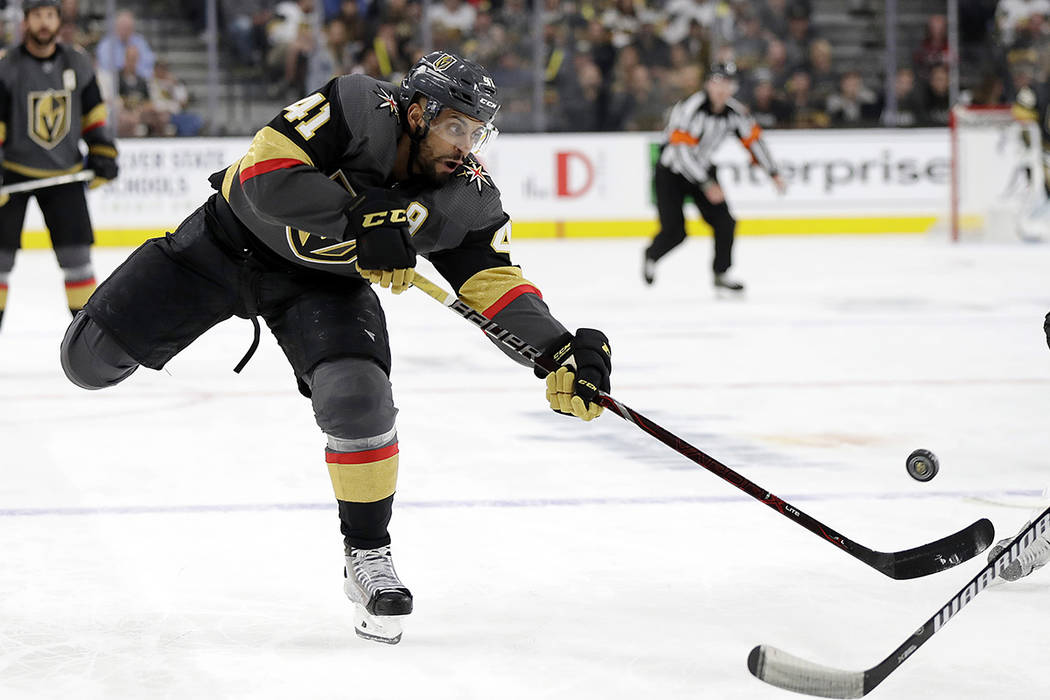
586 363
385 254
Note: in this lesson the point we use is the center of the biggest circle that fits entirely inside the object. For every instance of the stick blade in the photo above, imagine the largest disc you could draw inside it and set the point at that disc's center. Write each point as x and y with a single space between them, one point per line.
776 667
944 553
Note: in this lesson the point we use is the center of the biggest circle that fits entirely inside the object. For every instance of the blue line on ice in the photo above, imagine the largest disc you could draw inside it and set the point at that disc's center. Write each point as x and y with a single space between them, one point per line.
504 503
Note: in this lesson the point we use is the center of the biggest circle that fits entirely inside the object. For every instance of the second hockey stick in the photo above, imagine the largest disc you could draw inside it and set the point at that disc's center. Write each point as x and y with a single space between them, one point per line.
906 564
39 184
789 672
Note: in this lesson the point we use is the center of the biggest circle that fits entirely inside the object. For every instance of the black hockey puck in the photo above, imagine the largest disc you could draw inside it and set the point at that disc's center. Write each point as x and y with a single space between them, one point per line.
922 465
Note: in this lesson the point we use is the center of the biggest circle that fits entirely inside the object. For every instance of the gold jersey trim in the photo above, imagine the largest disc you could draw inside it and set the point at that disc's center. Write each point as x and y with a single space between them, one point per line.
364 483
269 144
486 287
39 172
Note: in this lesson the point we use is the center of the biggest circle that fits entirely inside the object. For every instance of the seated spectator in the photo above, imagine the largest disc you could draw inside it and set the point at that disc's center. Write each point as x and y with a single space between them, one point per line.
285 38
646 103
243 28
824 79
714 16
168 99
936 97
452 16
776 63
112 49
767 108
133 91
750 43
806 112
297 59
800 35
623 21
685 76
773 16
1012 14
335 57
854 104
75 30
934 46
910 108
580 101
652 49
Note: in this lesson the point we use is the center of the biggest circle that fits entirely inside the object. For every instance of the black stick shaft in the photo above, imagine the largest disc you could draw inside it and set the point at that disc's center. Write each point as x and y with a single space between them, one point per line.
920 561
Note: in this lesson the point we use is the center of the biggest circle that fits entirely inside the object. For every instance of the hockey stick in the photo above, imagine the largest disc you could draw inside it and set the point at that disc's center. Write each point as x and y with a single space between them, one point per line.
789 672
910 563
31 185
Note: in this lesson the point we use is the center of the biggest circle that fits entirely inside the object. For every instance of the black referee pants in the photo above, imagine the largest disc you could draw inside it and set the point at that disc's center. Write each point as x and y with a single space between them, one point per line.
671 191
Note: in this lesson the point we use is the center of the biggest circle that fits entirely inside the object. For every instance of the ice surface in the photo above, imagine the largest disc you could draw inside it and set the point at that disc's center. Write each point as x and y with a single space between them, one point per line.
176 536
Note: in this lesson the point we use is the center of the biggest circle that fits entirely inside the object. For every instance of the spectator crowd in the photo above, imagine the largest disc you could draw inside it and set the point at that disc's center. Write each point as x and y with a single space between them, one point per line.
601 65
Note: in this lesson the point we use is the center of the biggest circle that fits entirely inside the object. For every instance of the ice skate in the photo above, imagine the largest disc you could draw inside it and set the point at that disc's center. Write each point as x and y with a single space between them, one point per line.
648 270
379 597
727 284
1031 559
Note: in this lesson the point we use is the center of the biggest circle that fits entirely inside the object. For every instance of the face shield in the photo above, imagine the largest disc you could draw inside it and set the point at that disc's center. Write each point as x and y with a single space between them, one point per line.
469 135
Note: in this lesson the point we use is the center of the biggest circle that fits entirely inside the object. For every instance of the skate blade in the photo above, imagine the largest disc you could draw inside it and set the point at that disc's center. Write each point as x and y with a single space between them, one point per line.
384 629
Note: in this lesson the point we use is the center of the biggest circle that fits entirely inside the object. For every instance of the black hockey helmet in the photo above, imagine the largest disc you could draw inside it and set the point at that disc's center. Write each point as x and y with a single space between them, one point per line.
447 80
28 5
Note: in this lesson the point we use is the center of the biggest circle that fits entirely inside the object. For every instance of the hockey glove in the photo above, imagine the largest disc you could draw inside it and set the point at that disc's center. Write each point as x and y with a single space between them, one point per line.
1046 329
585 364
385 254
105 168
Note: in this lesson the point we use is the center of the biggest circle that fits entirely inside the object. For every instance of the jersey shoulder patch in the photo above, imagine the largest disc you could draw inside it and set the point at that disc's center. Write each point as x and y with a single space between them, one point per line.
471 197
367 100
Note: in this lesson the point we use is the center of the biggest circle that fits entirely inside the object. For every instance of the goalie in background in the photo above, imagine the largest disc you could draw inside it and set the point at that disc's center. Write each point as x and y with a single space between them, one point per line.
342 188
49 101
696 128
1032 105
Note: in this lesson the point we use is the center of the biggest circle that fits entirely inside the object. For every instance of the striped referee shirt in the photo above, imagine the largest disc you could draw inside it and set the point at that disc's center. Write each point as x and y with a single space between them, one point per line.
694 133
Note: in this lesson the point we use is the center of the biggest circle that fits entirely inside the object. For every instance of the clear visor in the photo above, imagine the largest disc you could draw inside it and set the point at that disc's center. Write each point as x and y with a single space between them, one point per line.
468 135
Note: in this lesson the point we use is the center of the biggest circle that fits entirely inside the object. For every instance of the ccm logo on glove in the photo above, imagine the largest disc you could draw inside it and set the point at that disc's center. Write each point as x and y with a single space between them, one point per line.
382 218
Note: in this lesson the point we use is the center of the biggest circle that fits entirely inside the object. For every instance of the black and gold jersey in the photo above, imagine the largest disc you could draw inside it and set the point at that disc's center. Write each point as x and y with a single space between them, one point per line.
292 188
46 107
1032 105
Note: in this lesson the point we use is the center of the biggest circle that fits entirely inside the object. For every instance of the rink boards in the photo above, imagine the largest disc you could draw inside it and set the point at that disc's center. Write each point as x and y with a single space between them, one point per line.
593 185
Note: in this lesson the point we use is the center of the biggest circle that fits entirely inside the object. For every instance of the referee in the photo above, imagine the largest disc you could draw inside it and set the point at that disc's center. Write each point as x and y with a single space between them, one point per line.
696 128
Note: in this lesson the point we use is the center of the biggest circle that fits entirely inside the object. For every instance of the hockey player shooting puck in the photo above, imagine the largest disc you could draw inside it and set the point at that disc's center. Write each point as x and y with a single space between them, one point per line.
922 465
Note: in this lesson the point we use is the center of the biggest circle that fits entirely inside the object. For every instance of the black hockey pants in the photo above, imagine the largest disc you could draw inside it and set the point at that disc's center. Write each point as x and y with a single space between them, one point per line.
671 192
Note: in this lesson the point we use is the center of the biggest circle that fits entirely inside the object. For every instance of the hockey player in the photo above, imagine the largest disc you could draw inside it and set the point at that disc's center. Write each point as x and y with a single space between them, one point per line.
1038 553
696 128
49 101
1032 104
284 239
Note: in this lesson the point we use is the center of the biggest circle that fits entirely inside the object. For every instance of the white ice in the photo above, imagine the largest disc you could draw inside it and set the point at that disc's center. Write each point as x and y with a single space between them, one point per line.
176 536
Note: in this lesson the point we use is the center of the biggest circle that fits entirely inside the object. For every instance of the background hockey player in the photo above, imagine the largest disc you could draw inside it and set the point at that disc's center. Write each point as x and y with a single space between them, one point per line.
696 128
1038 554
1032 105
49 101
284 239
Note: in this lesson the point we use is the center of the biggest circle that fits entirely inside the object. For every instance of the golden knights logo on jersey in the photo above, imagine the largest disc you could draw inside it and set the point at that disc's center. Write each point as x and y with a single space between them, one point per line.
307 246
49 117
318 249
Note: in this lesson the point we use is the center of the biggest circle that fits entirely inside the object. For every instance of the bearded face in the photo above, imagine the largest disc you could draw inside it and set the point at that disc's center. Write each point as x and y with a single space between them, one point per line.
41 25
452 135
